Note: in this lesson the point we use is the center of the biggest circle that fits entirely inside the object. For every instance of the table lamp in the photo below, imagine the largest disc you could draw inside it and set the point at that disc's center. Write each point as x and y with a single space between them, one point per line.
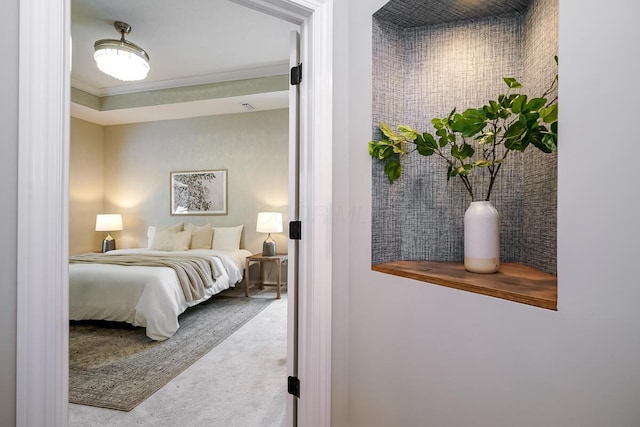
269 222
108 222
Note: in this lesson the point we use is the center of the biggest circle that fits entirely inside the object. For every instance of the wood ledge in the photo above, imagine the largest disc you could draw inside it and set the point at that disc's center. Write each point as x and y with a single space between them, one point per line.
514 282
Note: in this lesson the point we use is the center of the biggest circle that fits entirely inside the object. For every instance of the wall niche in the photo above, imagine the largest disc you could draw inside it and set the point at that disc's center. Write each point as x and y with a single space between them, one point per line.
428 57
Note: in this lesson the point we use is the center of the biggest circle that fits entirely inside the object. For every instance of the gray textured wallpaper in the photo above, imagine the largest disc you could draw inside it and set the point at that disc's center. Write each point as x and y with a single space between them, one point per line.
423 72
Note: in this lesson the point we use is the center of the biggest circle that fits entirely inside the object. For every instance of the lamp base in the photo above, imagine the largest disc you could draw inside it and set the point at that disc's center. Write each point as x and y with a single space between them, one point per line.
269 247
108 245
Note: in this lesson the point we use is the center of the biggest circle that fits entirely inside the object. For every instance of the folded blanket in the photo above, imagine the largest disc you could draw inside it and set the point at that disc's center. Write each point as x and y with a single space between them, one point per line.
195 273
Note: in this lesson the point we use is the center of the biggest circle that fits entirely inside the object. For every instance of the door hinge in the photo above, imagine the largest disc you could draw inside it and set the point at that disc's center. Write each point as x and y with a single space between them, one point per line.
296 74
293 386
295 230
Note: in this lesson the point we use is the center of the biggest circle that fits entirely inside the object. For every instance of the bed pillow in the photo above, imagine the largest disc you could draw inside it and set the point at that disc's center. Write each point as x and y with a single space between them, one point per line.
227 238
201 236
169 240
152 230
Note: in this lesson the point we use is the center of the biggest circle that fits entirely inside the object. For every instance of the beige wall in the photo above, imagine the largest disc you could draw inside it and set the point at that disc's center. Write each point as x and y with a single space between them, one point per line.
86 185
253 147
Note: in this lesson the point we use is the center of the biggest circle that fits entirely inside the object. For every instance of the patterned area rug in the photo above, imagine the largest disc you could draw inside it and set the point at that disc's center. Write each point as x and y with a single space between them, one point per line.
115 365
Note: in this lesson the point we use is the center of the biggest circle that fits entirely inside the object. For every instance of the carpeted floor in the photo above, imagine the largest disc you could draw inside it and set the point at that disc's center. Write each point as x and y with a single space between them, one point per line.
116 366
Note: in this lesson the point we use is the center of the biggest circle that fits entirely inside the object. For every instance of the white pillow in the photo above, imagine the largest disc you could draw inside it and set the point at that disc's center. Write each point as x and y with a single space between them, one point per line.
169 240
200 236
227 238
152 230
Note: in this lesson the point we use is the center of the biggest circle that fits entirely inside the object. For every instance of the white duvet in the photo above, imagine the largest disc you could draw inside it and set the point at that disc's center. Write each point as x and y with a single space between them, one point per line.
150 297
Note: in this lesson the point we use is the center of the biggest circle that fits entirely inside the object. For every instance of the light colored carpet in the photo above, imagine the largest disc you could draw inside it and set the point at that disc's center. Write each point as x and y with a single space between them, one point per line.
241 382
113 365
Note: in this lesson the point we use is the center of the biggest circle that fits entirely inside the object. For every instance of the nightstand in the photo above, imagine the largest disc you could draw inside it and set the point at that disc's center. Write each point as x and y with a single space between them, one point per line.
279 260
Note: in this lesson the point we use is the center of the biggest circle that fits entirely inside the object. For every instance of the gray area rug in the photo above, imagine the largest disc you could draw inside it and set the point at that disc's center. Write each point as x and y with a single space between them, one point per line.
115 365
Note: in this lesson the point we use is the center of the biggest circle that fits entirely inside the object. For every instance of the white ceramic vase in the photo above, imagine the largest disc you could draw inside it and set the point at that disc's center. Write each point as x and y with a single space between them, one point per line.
481 238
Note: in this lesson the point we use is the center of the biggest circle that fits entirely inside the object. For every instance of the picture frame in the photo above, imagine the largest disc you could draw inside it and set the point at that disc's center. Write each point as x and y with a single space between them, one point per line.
199 192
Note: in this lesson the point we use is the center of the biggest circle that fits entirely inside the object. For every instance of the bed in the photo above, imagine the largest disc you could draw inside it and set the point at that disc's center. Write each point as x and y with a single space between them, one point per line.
143 295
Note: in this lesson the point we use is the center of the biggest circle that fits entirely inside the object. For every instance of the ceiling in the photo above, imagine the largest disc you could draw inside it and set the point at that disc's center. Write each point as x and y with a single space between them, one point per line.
419 13
188 42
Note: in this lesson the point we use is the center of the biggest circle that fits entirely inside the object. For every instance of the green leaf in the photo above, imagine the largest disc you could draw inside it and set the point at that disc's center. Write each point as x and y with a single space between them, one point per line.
437 123
467 151
511 82
429 140
549 143
506 101
514 136
373 148
535 104
385 152
519 103
455 151
426 144
407 132
386 130
393 170
491 110
425 151
482 163
549 114
469 123
530 119
462 152
451 172
391 134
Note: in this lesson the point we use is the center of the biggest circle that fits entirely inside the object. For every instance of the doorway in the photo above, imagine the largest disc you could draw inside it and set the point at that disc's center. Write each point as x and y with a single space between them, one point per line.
42 316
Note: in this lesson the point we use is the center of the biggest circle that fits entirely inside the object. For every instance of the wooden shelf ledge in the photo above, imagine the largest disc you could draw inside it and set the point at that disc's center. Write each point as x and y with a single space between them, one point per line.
514 282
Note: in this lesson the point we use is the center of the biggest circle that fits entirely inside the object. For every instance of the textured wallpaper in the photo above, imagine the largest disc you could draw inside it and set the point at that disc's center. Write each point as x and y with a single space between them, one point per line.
423 72
253 147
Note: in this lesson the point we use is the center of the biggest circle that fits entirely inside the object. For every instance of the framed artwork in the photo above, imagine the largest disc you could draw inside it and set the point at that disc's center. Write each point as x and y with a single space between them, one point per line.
199 192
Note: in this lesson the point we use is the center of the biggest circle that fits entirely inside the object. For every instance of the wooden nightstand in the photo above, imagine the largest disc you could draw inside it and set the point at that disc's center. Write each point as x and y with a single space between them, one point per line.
279 260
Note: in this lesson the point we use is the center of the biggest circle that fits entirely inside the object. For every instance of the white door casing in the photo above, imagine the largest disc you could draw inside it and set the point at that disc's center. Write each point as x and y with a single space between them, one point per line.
43 138
293 277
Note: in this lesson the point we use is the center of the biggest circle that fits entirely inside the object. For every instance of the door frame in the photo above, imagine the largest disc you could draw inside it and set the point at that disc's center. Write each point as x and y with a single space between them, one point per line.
43 177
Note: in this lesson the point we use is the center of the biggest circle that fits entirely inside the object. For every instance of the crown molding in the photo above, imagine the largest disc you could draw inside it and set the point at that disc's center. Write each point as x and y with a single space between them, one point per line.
182 110
248 73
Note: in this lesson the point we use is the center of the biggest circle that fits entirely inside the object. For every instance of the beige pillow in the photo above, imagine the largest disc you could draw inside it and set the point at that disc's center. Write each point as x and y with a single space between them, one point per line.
152 230
201 236
168 240
227 238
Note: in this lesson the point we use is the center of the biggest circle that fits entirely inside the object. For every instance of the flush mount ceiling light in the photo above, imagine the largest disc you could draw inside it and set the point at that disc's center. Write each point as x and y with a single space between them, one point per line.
120 58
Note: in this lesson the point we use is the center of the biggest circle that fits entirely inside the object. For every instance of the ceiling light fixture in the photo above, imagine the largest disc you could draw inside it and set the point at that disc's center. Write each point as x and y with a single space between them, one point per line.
121 59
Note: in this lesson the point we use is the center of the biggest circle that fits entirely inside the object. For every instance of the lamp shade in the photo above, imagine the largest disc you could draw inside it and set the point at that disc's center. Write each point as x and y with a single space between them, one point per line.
121 59
269 222
108 222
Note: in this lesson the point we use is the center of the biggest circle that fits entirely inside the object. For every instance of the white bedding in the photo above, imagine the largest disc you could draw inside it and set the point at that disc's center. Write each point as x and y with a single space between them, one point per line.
150 297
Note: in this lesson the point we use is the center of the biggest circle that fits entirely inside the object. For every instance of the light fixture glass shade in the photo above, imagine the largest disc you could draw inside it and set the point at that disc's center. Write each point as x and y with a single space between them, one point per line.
269 222
108 222
122 60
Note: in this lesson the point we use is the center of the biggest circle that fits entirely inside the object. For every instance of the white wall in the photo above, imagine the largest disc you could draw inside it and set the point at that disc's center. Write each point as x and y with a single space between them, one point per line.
8 215
424 355
86 185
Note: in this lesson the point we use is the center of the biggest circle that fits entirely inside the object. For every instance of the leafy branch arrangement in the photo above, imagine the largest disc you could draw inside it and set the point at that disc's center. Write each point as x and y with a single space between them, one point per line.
510 123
